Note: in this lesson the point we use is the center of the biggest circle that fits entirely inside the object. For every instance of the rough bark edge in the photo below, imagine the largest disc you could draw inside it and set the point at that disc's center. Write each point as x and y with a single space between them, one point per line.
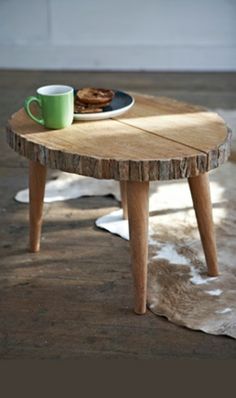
125 170
220 154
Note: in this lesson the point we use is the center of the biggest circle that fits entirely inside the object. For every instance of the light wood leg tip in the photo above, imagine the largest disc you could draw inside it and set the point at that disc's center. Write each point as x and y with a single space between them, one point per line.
213 274
140 311
34 249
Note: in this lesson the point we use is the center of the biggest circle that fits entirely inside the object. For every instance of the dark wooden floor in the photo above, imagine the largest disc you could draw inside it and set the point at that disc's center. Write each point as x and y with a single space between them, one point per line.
74 299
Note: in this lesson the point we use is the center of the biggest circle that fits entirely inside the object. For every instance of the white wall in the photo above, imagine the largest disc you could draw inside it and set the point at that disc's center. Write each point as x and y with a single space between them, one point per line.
118 34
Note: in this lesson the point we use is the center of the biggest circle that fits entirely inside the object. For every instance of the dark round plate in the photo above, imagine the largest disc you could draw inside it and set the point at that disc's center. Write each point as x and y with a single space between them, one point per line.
121 103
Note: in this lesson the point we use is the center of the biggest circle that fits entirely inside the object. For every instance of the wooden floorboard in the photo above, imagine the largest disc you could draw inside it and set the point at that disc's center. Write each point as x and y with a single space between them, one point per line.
74 299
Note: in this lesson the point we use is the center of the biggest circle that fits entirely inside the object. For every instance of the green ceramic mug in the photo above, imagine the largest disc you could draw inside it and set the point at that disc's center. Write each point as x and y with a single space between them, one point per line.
56 103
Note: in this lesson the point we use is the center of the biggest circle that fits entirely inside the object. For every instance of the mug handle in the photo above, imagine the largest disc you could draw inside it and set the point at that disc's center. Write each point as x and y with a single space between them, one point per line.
28 101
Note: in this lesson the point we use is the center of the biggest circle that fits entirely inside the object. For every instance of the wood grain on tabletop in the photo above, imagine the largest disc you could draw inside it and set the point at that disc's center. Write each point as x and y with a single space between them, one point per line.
158 139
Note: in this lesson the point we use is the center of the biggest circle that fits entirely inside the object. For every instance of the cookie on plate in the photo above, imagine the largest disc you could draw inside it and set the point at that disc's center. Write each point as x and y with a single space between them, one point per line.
95 96
79 107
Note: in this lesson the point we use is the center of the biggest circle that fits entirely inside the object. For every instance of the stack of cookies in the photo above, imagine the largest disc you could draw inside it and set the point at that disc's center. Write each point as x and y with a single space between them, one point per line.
92 100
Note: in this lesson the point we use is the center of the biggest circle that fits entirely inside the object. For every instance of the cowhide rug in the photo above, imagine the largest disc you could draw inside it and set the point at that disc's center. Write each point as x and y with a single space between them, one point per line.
178 286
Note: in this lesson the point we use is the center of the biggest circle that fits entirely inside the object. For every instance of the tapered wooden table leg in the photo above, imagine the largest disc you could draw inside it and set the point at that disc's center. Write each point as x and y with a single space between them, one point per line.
37 178
200 191
123 195
137 198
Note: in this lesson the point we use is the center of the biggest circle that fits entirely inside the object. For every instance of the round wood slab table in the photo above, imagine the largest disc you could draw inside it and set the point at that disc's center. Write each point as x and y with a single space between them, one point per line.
158 139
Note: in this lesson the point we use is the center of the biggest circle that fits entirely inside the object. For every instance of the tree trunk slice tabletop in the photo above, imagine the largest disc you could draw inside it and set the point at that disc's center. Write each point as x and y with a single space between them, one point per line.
158 139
